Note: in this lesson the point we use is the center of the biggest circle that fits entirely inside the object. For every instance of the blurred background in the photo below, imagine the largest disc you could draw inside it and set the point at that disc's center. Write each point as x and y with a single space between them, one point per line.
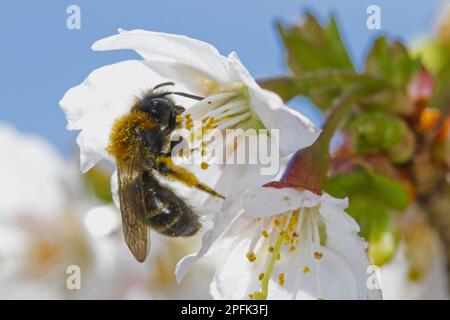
52 217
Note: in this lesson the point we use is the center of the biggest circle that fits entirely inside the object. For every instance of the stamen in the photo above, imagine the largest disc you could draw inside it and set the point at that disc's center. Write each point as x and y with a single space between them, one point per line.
234 121
317 253
251 256
255 238
234 104
262 295
209 103
281 279
204 165
283 237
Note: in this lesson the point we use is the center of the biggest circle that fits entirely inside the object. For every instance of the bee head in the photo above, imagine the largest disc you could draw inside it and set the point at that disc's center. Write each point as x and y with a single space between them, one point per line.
162 110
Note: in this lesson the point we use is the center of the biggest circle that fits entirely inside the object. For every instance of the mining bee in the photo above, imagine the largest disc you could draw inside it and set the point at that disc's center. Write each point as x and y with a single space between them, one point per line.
140 142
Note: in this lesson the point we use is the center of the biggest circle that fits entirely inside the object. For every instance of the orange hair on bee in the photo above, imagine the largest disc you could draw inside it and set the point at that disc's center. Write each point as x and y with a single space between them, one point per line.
123 133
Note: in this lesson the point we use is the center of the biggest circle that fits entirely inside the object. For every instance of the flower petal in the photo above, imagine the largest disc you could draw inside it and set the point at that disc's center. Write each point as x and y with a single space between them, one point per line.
222 220
342 238
158 46
256 202
234 277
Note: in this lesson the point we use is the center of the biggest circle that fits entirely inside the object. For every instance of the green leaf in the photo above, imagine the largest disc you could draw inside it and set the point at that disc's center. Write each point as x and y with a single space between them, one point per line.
376 131
392 63
388 192
312 47
394 195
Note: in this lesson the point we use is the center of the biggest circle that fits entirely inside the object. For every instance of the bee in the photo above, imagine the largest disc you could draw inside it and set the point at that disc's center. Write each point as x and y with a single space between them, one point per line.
140 142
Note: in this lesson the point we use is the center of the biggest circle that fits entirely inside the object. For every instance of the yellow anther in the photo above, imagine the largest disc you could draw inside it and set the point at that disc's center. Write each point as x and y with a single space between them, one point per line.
179 119
285 236
306 270
278 256
318 255
204 165
276 222
251 256
265 234
263 294
281 279
294 221
261 276
292 248
210 123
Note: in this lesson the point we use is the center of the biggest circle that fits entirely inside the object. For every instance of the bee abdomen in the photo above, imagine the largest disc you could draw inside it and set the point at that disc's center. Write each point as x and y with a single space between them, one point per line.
166 212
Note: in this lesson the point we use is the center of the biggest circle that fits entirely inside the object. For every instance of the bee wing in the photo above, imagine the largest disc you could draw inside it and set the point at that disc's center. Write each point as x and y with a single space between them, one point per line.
132 205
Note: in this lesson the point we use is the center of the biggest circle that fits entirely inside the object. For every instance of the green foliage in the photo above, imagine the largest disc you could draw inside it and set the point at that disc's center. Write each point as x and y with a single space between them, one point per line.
311 47
392 89
376 131
316 53
373 200
391 63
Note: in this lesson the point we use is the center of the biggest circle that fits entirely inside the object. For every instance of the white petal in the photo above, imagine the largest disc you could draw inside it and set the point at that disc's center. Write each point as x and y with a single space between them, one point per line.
342 238
336 279
235 276
333 211
222 220
158 46
263 201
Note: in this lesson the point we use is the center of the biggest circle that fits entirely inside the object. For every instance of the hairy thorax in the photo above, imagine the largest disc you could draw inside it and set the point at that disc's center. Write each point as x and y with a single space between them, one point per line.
124 134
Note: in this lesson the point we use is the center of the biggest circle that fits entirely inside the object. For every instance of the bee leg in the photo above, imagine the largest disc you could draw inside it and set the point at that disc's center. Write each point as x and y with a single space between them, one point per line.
166 167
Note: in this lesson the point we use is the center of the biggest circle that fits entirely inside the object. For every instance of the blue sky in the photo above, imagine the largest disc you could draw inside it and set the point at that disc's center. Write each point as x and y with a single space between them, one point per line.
41 58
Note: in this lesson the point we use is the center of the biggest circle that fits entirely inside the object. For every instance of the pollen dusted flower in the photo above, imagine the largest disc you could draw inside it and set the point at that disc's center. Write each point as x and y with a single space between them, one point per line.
298 245
233 99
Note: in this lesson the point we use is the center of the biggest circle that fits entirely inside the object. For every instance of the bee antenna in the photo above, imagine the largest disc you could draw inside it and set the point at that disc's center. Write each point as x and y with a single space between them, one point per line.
187 95
163 85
